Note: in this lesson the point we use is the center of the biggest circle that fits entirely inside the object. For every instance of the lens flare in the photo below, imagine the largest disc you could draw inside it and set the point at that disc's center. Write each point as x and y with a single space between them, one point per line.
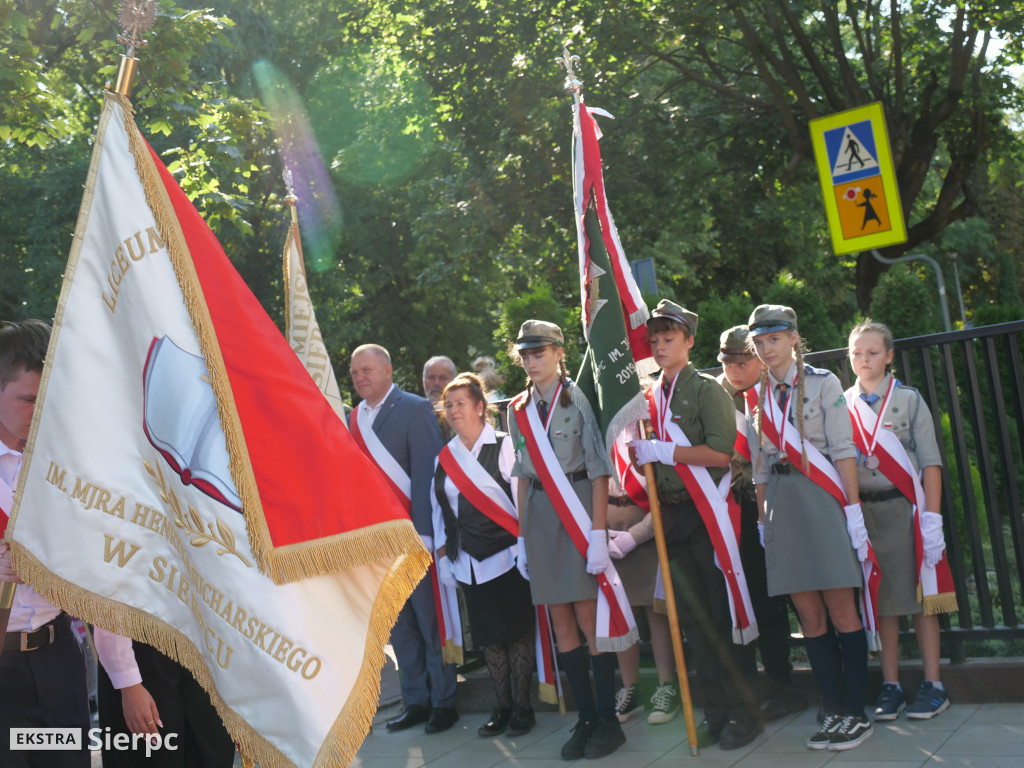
320 215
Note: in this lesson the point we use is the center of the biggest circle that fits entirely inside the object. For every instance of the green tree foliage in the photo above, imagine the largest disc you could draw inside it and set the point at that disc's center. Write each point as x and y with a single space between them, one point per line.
445 134
908 304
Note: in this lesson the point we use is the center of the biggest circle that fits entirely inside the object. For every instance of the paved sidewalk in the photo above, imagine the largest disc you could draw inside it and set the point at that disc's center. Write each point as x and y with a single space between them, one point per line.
965 736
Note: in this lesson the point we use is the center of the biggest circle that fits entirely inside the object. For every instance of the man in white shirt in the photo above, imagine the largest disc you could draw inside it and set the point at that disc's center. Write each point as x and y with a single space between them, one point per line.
42 674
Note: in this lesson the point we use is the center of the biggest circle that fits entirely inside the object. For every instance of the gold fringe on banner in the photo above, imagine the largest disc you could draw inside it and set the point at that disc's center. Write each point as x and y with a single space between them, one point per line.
451 653
944 603
547 692
352 724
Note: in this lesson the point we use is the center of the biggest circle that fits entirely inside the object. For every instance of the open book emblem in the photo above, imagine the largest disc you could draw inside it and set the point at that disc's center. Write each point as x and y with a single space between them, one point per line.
181 421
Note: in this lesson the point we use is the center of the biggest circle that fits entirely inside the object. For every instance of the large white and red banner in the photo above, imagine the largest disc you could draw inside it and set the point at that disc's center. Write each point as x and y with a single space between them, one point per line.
187 484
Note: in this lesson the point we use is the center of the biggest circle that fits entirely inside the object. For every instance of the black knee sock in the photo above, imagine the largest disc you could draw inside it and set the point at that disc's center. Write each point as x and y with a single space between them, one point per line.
604 665
854 648
824 657
577 669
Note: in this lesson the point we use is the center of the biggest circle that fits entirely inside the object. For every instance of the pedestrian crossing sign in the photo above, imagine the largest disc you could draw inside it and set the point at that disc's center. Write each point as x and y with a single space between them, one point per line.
858 180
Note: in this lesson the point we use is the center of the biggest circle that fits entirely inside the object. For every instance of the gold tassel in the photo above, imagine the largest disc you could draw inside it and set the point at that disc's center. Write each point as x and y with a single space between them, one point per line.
944 603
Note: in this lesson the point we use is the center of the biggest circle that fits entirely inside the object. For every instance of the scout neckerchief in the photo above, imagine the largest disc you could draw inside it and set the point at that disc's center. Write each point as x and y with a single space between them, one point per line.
869 435
821 472
935 585
616 628
446 600
480 489
713 507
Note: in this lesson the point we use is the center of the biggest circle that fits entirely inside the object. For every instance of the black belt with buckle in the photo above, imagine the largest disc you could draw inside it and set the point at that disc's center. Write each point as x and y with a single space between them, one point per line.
34 640
573 477
621 501
873 496
782 468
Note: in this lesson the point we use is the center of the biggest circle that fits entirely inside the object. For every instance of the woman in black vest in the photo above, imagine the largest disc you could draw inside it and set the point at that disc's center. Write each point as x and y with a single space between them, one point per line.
479 554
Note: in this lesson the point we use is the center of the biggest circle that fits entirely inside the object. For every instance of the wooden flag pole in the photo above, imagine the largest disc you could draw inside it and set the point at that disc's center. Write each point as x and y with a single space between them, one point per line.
670 605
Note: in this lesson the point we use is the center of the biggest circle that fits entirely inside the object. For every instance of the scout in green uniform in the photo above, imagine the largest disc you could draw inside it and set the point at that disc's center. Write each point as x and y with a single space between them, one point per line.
741 369
559 576
726 672
889 517
807 534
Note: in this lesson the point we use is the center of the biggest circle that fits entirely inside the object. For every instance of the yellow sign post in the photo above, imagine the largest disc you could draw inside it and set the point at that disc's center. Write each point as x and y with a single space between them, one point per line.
858 180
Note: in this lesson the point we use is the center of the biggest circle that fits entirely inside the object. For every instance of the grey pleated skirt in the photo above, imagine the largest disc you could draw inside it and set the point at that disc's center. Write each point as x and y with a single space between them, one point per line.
558 572
807 546
890 528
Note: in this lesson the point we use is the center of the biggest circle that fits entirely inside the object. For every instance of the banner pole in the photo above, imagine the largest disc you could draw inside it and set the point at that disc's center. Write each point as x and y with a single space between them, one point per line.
670 604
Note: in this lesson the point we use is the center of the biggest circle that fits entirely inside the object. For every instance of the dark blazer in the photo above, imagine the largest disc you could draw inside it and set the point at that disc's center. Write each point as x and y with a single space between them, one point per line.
407 426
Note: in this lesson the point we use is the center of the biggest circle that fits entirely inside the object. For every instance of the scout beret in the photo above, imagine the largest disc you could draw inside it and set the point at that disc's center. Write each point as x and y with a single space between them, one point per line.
538 333
771 318
733 345
672 311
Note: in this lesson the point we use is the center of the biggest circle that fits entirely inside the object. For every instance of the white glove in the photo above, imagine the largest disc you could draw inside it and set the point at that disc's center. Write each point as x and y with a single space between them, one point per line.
760 534
444 572
521 559
648 451
621 543
858 533
597 552
934 541
428 543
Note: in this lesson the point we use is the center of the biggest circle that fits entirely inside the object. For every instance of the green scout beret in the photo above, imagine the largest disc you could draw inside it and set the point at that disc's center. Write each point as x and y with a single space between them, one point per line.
538 333
771 318
675 313
733 346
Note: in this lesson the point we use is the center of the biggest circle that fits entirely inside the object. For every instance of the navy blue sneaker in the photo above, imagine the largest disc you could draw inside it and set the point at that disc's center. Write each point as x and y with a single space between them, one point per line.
890 702
930 701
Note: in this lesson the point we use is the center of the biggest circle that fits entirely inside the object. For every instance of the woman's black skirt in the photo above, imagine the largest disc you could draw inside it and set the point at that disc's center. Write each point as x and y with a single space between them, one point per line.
500 610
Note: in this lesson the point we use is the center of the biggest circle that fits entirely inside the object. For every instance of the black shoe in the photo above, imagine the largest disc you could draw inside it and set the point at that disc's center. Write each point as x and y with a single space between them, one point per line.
783 700
605 737
707 734
573 748
414 714
498 722
441 719
740 731
522 722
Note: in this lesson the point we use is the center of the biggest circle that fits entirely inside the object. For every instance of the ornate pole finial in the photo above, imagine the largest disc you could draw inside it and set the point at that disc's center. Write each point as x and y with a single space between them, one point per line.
290 200
136 19
571 63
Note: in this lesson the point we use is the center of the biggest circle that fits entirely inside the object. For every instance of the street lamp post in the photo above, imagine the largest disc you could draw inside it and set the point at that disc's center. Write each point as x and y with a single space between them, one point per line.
938 278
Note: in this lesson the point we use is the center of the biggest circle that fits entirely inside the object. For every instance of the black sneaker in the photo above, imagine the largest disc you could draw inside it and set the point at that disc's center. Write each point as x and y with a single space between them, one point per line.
573 748
822 738
627 702
605 737
853 731
890 702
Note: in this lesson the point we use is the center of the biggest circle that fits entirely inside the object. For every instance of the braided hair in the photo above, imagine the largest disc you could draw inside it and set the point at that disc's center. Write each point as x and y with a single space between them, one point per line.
565 399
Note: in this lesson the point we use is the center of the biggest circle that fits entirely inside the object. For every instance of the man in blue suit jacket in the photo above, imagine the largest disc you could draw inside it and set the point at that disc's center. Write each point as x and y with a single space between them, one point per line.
407 427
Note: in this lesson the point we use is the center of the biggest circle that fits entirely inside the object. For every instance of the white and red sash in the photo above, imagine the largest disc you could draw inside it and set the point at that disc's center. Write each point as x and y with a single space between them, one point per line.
481 490
477 486
935 585
371 445
821 472
616 628
6 502
446 599
713 506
